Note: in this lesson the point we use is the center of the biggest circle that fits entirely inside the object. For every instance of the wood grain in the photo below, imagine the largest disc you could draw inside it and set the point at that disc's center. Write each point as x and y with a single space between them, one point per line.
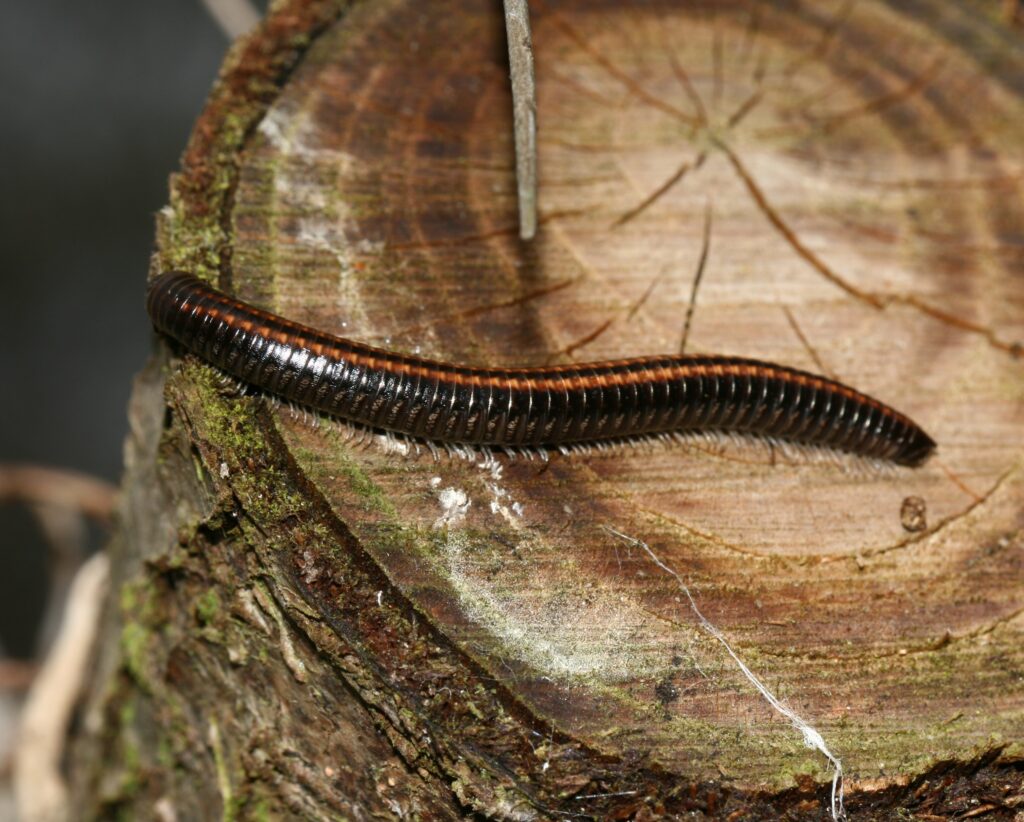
864 166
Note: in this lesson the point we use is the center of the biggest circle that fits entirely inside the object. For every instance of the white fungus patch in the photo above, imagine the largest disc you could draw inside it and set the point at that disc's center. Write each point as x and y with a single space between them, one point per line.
563 634
454 505
501 502
319 216
561 630
274 126
296 135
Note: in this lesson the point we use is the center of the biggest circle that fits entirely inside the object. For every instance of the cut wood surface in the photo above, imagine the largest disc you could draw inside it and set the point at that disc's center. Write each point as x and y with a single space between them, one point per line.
321 624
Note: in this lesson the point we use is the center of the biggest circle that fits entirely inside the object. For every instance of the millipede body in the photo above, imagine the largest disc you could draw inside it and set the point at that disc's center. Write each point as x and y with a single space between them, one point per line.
526 407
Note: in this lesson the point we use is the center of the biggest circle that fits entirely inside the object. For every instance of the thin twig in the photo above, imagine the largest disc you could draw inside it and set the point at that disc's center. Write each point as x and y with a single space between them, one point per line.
38 784
234 17
60 500
67 537
16 674
524 112
58 487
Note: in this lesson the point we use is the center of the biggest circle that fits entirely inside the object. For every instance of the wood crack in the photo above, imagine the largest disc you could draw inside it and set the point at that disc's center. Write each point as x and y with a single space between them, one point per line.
875 300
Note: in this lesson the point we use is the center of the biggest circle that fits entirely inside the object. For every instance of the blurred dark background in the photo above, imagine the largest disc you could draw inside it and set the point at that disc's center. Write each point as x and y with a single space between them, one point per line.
97 102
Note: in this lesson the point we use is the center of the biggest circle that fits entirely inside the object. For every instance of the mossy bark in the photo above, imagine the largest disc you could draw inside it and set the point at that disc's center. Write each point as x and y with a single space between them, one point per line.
311 626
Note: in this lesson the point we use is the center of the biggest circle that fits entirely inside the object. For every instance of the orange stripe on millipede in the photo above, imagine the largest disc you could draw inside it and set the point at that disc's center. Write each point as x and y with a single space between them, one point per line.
353 379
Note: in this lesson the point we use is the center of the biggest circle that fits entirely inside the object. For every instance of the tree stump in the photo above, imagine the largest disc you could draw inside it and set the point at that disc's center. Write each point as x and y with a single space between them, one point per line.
313 626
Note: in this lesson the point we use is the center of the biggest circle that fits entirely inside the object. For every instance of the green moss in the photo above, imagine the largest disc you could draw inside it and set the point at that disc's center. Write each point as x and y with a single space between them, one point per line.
208 606
165 752
140 611
373 497
129 780
190 244
258 809
138 600
134 644
230 801
191 238
237 445
200 471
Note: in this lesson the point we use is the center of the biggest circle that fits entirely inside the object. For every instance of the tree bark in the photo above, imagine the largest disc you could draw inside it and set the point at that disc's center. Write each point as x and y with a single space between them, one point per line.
313 626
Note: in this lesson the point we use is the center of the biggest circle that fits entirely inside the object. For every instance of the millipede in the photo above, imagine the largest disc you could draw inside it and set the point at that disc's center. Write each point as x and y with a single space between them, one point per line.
532 407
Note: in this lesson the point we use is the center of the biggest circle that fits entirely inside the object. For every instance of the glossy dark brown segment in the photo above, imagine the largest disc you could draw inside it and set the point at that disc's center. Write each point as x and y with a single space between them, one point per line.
526 407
